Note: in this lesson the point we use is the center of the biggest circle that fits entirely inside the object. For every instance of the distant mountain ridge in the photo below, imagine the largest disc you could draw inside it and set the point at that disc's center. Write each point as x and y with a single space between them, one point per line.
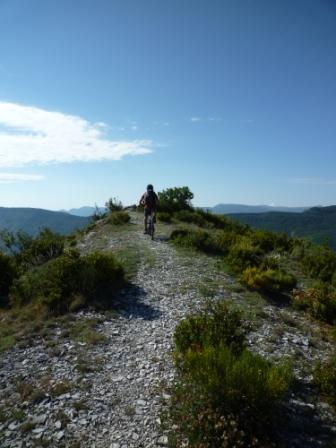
223 209
84 211
32 220
316 223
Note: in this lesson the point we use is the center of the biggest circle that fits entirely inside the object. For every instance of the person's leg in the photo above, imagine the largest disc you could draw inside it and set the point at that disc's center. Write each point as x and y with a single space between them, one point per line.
145 220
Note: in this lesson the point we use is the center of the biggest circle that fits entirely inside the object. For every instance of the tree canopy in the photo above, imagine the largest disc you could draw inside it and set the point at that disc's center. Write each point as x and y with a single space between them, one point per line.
175 199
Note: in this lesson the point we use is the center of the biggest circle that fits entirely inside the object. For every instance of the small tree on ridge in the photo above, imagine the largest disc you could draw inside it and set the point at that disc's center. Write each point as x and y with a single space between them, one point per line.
175 199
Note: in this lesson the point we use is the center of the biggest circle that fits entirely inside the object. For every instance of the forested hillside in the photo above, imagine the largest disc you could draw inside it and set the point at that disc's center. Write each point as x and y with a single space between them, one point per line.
224 209
317 223
32 220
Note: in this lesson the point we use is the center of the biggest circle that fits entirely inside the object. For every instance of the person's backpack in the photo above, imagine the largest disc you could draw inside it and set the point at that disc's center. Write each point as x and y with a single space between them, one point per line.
150 199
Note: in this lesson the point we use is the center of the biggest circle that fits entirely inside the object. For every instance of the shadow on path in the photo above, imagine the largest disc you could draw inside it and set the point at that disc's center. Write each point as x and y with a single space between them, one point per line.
300 426
277 299
130 301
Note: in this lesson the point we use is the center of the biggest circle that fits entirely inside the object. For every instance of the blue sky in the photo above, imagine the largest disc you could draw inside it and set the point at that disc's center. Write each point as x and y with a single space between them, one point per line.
234 98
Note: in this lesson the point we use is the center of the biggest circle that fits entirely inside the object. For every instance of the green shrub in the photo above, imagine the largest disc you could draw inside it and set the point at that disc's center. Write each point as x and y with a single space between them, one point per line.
72 240
216 221
223 223
270 261
8 272
46 246
262 239
164 217
268 241
269 280
118 218
243 254
193 239
283 242
218 324
60 282
99 213
114 205
14 242
319 262
333 280
224 240
297 251
190 217
108 273
223 397
320 300
209 220
244 384
7 342
29 251
324 377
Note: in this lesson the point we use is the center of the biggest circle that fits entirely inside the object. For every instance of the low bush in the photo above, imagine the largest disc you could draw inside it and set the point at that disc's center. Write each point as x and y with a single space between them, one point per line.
225 396
333 280
190 217
268 280
221 222
118 218
8 272
7 342
67 281
221 384
319 300
218 324
14 242
269 241
29 251
72 240
164 217
215 221
194 239
319 262
99 213
297 250
243 254
283 242
324 377
114 205
46 246
224 240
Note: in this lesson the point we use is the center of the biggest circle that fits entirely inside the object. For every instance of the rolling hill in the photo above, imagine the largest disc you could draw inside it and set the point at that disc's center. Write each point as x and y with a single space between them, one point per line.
85 211
224 209
317 223
32 220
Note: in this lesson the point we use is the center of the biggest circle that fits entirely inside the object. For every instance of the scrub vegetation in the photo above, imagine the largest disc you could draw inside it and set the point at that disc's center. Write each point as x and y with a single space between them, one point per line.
216 373
44 277
225 395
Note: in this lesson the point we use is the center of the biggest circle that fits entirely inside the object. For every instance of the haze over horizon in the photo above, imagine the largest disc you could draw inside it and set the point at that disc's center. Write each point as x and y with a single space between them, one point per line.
232 98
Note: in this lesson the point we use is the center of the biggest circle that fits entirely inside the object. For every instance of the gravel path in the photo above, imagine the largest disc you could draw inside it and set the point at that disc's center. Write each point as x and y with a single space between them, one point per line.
140 354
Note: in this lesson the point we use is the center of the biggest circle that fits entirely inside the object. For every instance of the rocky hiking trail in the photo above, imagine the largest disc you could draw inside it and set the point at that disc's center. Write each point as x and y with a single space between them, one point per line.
112 394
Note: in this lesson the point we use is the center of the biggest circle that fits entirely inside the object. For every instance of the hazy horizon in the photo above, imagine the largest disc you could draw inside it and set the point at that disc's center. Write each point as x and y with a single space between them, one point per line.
66 209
